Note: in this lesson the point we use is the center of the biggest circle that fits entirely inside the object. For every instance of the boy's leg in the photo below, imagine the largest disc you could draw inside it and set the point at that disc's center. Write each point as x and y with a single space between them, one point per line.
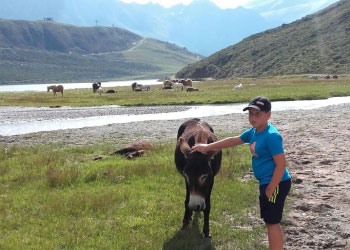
275 236
272 210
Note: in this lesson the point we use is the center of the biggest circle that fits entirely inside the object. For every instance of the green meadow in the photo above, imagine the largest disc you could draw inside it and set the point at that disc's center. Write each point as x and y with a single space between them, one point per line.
210 92
56 196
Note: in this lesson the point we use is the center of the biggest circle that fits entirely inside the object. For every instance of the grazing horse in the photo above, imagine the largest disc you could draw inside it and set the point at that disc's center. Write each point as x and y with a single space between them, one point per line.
100 90
167 87
133 86
96 86
186 82
55 89
190 89
143 87
198 169
167 84
238 87
178 85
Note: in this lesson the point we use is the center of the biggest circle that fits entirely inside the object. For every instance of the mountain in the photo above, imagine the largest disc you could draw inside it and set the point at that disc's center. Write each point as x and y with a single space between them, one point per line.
57 37
202 27
45 51
317 43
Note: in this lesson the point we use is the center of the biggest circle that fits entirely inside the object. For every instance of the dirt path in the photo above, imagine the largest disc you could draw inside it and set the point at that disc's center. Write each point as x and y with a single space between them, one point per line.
317 148
138 44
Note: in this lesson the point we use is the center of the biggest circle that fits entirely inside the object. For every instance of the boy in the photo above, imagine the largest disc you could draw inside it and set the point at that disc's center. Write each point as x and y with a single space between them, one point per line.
269 165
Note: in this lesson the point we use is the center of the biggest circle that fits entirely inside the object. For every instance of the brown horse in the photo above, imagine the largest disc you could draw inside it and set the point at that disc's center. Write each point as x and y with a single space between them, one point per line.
55 88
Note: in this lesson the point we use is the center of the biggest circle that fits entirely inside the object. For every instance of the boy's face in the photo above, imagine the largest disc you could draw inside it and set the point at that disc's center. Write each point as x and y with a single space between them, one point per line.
259 119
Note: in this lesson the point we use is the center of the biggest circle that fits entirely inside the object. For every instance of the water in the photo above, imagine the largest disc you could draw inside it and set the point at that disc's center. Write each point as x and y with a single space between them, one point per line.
195 111
79 85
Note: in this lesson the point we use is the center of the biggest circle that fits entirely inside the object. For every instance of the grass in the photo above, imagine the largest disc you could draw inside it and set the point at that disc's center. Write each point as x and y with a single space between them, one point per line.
211 92
54 197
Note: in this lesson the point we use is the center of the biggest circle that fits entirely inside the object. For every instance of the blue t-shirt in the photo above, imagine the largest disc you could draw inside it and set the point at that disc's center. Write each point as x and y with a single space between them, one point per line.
263 145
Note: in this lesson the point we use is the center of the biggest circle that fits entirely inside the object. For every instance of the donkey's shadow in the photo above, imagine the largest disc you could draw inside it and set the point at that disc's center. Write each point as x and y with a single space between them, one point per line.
189 239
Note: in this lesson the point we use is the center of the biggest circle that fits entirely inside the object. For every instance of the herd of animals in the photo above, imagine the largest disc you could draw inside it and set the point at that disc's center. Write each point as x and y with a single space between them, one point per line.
167 84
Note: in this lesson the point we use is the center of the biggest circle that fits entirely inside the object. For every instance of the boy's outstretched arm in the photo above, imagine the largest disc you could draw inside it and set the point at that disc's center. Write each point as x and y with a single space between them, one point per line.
224 143
280 162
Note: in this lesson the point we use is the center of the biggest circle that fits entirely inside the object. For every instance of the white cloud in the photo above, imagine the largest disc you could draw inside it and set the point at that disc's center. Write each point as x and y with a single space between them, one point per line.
224 4
164 3
250 4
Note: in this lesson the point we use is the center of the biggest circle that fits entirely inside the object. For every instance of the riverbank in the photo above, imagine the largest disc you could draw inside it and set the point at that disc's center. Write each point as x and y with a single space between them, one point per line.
316 148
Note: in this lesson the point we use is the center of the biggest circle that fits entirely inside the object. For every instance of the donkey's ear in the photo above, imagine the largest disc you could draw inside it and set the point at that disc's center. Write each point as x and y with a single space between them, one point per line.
184 147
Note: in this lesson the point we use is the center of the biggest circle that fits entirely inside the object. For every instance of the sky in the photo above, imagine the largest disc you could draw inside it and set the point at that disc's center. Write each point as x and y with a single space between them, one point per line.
312 4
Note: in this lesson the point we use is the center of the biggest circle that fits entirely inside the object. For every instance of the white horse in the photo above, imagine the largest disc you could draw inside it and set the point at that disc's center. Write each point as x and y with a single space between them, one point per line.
178 85
100 90
238 87
140 87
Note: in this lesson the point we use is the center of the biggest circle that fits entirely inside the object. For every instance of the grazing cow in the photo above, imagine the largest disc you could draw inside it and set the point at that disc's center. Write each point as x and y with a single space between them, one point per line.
327 77
186 82
110 91
238 87
190 89
96 86
198 169
133 150
167 84
55 89
335 77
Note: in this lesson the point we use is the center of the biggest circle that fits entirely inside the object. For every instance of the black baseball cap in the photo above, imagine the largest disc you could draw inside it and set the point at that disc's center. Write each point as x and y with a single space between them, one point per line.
260 103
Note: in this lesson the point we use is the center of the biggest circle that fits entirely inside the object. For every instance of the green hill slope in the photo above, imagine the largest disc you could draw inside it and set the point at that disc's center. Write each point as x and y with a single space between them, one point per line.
49 52
318 43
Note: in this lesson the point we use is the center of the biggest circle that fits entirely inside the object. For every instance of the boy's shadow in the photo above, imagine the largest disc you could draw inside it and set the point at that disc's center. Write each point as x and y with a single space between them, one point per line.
189 239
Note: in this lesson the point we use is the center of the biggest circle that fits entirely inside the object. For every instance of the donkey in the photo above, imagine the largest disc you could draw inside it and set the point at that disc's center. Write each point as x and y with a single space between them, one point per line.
135 149
197 168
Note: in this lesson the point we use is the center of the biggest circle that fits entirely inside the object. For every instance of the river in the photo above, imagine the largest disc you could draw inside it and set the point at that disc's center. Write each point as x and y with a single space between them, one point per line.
23 126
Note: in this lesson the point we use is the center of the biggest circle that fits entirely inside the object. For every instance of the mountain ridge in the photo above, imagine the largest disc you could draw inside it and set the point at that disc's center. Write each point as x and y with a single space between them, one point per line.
43 51
317 43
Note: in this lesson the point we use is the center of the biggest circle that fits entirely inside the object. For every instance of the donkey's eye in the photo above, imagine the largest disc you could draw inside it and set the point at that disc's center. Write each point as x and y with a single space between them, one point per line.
203 178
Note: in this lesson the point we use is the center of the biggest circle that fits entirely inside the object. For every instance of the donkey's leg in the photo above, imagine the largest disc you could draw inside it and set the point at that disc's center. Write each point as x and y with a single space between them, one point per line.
188 213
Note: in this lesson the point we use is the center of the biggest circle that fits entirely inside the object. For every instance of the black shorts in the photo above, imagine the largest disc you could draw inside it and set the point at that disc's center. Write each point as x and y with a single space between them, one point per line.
271 209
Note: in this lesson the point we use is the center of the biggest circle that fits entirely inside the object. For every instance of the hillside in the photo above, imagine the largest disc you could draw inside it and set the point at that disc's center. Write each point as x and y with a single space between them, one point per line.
186 26
45 51
318 43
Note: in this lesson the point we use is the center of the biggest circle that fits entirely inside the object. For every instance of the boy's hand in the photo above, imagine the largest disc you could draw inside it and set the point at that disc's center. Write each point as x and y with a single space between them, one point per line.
200 148
269 191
